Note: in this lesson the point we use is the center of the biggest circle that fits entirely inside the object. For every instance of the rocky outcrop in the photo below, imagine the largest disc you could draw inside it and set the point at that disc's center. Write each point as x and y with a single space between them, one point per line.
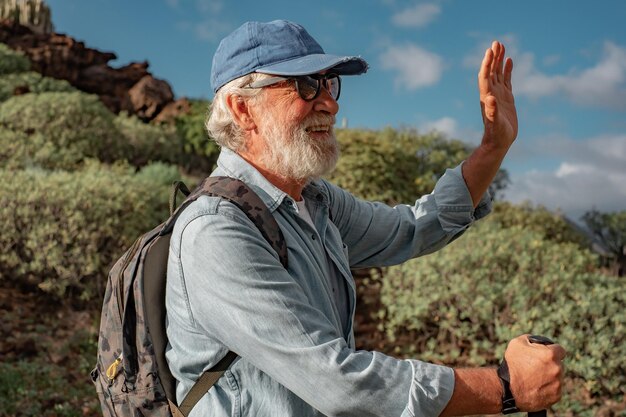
173 109
148 96
130 88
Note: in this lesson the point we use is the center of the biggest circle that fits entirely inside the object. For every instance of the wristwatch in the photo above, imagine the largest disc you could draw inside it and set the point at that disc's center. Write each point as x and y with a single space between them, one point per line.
508 401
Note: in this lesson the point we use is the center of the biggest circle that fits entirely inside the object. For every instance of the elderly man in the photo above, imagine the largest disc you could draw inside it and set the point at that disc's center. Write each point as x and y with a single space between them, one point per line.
292 329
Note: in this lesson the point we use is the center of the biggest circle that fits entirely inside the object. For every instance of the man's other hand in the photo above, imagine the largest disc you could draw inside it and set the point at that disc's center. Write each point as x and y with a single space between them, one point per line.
536 373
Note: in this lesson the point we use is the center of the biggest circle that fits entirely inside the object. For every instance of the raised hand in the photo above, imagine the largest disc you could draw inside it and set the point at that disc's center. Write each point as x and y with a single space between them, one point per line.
496 98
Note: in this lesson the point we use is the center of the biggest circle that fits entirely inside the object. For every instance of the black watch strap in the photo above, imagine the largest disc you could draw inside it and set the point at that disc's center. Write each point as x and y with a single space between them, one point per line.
508 401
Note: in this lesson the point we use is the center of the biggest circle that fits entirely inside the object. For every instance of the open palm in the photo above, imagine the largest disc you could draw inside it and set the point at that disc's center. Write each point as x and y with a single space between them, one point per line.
496 97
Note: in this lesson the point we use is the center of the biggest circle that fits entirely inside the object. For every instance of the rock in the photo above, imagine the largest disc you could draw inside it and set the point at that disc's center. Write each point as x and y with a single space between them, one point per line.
148 97
173 109
131 88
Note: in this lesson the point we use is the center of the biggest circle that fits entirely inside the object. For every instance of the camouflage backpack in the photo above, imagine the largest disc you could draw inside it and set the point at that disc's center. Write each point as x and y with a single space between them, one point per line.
131 375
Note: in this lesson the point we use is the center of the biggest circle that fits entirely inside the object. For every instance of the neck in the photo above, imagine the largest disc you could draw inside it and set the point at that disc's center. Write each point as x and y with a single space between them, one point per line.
290 186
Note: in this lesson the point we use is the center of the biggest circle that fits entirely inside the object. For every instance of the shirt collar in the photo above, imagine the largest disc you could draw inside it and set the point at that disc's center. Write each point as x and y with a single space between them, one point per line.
232 165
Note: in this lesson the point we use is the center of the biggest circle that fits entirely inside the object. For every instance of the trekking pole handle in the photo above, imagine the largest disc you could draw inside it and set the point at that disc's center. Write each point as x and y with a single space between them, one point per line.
542 340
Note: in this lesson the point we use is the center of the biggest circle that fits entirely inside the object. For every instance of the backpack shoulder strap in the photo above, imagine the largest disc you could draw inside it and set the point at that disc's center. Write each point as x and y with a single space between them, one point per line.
238 193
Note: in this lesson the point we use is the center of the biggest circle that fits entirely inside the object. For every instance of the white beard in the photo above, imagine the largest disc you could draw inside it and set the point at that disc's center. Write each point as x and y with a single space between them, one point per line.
291 153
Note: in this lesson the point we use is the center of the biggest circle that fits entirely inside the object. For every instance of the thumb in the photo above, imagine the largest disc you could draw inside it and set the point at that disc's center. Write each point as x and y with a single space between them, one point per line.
491 108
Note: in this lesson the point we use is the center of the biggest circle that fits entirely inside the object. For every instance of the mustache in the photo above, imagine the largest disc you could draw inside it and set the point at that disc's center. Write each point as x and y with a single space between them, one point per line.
319 119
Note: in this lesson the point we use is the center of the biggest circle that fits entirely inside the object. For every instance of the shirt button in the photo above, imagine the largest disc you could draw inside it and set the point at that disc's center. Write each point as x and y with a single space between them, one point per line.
313 237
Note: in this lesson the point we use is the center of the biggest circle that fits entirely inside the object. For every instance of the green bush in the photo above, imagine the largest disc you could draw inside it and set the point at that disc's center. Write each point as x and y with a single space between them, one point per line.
200 151
393 166
160 173
463 304
62 230
74 125
31 81
147 142
12 61
18 150
551 225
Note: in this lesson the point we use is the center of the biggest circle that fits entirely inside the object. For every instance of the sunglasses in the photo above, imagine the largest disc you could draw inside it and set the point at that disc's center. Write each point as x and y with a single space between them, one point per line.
308 86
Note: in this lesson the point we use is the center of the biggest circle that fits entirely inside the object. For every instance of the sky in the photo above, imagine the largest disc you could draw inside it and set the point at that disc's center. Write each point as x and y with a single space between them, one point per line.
569 76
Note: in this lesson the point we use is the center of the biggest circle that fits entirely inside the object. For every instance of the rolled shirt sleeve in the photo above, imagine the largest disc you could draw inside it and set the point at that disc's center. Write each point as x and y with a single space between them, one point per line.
454 202
431 389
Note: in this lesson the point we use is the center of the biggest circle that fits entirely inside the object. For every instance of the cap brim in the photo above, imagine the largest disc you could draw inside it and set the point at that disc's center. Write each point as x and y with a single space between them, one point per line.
315 63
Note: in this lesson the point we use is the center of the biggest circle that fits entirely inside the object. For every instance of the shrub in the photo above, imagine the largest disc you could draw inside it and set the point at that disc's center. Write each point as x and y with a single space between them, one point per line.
463 304
62 230
159 173
14 153
32 82
200 151
75 126
393 166
552 226
12 61
147 142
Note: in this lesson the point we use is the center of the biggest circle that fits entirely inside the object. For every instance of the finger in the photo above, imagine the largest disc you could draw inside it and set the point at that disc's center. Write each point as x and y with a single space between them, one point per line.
484 74
508 70
501 58
491 109
485 67
495 47
494 62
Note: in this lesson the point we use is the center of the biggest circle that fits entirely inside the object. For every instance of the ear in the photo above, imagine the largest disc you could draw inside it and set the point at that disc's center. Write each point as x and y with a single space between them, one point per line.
241 112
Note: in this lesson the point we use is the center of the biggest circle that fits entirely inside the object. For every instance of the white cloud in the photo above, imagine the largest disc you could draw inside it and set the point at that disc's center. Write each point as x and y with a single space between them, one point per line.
209 6
206 23
550 60
449 127
211 29
446 125
606 151
418 16
592 174
602 85
473 59
416 67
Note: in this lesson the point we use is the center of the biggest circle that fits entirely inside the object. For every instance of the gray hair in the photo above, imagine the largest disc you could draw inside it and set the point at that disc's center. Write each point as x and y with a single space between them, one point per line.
220 123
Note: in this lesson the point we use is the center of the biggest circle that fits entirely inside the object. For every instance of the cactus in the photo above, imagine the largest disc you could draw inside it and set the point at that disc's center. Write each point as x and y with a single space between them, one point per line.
34 14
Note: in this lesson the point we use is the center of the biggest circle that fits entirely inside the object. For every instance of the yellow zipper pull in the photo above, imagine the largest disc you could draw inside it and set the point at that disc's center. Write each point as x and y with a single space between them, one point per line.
113 369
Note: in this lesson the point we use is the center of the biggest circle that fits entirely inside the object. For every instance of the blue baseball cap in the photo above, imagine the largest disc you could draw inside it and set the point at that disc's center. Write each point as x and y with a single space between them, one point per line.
279 47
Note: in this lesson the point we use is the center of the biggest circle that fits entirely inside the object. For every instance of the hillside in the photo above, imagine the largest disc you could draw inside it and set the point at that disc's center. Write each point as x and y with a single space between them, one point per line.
131 88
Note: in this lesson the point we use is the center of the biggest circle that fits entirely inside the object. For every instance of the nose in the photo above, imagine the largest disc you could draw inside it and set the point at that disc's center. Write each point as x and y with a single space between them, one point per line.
324 102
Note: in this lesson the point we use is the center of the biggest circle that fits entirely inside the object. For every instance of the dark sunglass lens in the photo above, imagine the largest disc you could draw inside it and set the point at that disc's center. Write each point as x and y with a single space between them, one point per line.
333 84
307 87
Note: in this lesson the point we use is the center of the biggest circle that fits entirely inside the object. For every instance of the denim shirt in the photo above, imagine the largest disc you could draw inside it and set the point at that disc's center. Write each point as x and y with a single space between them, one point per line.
227 290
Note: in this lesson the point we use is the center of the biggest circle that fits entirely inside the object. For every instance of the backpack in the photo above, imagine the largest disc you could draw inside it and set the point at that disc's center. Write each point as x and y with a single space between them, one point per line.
131 374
